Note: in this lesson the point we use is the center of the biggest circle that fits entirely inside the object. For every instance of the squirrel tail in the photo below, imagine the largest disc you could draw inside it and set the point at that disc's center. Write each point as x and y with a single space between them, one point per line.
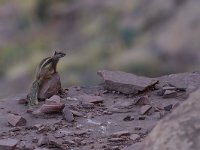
32 97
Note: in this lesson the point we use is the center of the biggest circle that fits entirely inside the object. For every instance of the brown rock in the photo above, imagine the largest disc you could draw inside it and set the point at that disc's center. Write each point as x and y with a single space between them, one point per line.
90 99
49 108
68 116
50 87
8 144
53 100
16 120
170 94
125 82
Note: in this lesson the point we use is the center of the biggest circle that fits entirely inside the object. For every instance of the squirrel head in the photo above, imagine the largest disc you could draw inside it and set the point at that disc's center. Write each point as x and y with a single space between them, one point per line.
59 54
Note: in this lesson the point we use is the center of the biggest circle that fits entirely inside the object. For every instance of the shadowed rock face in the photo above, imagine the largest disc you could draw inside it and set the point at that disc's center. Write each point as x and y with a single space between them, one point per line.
50 87
178 131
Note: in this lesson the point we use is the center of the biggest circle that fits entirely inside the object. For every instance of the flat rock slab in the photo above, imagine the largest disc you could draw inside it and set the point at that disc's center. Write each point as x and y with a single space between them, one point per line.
90 99
8 144
125 82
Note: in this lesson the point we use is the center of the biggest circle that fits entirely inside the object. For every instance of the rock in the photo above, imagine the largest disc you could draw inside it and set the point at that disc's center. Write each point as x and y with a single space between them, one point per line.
16 120
68 116
178 130
144 100
144 109
57 143
136 146
53 100
168 107
125 82
120 133
51 108
134 137
128 118
50 87
22 101
87 105
43 141
76 113
170 94
8 144
90 99
41 149
116 139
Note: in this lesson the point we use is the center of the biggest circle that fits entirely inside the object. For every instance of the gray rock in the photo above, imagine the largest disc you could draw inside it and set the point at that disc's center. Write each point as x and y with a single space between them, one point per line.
179 130
134 137
8 144
170 94
68 116
125 82
144 109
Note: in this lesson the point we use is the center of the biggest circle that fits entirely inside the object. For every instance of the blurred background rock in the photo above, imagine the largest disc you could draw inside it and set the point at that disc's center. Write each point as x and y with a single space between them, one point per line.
144 37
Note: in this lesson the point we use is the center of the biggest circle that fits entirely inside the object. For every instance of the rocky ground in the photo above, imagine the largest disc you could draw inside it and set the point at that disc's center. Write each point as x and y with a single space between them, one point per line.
112 116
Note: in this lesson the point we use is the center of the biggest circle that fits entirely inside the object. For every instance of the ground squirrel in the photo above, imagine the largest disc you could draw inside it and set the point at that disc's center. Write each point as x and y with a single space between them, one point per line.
45 70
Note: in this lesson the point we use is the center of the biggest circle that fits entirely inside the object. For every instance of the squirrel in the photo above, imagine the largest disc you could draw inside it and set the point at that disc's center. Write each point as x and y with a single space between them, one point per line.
45 70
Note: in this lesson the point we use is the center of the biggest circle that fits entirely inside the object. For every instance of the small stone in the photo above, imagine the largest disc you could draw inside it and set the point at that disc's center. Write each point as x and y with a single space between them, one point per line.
120 133
144 100
138 128
128 118
170 94
41 149
53 100
22 101
8 144
68 116
116 139
43 141
51 108
142 118
169 88
91 99
87 105
134 137
16 120
144 109
57 143
168 107
76 113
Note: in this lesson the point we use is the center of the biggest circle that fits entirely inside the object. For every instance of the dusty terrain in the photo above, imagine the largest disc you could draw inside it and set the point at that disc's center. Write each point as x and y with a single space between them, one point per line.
109 120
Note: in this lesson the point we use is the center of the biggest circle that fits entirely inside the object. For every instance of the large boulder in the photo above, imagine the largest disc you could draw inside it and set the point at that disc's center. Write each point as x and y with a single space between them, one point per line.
178 131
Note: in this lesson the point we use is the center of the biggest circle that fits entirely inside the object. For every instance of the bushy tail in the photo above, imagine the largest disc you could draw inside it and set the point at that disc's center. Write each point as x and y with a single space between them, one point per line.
32 97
